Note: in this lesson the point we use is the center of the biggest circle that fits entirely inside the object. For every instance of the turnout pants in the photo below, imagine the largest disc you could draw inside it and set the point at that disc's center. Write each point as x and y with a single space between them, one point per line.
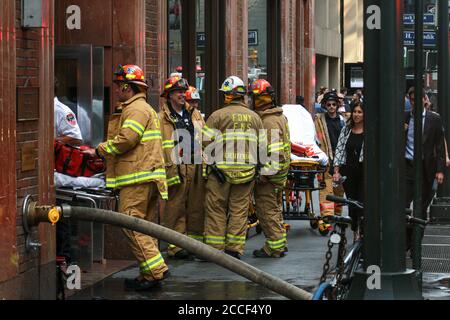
184 211
328 208
226 214
268 199
140 201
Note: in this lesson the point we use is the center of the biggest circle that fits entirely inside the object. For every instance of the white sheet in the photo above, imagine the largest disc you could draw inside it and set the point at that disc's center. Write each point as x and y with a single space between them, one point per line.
302 130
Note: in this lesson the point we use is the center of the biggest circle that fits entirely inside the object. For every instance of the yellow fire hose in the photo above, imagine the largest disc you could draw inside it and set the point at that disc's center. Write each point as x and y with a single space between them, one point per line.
33 215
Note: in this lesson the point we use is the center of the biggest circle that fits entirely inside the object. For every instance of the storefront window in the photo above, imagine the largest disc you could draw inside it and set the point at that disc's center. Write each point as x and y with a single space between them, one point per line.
257 39
200 58
175 33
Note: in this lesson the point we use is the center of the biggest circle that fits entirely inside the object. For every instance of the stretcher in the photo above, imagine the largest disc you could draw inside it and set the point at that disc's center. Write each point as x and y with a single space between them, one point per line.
305 176
307 169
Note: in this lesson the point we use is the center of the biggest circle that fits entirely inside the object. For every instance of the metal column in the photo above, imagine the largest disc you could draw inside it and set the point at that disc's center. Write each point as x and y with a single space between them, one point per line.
385 217
418 111
443 79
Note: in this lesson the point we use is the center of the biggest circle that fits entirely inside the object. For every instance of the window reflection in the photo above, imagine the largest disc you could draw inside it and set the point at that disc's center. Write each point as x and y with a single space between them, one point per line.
174 37
257 39
200 53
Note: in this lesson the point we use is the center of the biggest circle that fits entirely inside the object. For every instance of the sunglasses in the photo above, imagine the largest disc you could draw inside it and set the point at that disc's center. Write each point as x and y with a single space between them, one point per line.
331 104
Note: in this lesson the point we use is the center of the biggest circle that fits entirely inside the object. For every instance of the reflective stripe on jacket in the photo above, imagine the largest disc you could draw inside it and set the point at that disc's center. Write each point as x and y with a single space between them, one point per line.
168 128
278 146
235 130
133 150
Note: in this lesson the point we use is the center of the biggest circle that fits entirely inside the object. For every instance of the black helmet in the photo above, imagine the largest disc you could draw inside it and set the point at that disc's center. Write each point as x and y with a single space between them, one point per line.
330 96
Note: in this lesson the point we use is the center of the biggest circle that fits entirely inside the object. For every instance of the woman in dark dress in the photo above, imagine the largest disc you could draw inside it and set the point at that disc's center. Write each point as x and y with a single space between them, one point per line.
349 159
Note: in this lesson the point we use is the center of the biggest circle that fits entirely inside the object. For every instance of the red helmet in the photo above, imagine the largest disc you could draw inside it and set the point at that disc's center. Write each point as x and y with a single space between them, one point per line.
260 87
192 94
131 73
174 83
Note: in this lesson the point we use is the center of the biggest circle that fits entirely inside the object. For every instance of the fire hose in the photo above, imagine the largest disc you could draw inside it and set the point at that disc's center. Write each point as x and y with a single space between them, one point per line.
33 215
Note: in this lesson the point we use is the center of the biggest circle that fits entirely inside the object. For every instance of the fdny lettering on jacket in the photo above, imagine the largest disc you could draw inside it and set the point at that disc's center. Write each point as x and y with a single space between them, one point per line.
242 121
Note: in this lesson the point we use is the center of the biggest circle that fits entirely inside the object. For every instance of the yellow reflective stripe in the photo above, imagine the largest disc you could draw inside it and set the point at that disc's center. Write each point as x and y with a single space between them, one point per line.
229 165
276 147
238 136
135 126
110 183
111 148
173 181
152 263
214 240
235 239
164 195
167 144
240 180
151 135
208 132
140 177
196 236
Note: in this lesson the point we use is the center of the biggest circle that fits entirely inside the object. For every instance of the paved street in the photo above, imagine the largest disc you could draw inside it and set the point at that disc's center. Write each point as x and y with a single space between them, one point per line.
203 280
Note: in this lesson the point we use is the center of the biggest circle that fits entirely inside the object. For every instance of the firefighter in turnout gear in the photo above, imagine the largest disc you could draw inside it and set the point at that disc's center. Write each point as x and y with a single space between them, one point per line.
181 127
328 128
135 166
274 170
230 139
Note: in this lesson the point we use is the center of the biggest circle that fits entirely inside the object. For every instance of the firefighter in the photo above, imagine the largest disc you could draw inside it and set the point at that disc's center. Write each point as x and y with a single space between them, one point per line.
328 128
181 126
273 176
193 97
230 138
135 166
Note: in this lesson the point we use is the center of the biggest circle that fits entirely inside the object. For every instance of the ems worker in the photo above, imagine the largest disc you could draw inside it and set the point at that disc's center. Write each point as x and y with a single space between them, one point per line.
231 145
135 166
274 171
66 126
328 129
181 127
66 131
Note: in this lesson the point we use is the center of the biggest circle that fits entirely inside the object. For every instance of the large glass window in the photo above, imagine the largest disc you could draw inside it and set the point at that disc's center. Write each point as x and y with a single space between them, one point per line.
200 58
175 36
257 39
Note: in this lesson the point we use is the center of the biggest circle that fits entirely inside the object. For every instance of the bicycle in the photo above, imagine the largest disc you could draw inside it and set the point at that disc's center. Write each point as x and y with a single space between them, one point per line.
347 263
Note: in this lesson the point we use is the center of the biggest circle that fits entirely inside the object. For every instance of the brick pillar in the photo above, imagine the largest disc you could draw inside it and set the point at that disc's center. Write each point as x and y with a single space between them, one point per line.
288 18
306 53
8 253
45 129
156 47
236 35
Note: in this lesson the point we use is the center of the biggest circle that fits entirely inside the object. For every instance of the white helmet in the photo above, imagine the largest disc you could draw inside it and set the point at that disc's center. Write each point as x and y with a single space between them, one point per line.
234 85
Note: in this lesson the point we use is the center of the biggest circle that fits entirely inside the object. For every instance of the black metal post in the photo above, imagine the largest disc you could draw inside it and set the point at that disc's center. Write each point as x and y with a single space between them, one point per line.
418 125
189 40
384 130
443 80
342 24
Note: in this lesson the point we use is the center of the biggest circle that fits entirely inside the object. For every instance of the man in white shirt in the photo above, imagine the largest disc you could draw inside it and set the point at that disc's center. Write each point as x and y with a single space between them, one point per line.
66 125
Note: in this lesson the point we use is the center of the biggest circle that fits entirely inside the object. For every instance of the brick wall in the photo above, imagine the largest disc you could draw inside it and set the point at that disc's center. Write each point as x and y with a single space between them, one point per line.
34 136
155 47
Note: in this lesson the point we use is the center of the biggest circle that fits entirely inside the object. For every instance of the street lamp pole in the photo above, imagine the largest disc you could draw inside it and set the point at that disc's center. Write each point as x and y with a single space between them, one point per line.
384 225
443 78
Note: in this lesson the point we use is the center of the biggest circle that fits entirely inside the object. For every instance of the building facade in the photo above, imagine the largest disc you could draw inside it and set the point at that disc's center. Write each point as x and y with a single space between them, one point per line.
328 44
82 42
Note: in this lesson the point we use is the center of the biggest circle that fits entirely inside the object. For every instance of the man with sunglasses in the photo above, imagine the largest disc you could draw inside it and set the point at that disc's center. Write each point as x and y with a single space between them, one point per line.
328 129
135 166
181 126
